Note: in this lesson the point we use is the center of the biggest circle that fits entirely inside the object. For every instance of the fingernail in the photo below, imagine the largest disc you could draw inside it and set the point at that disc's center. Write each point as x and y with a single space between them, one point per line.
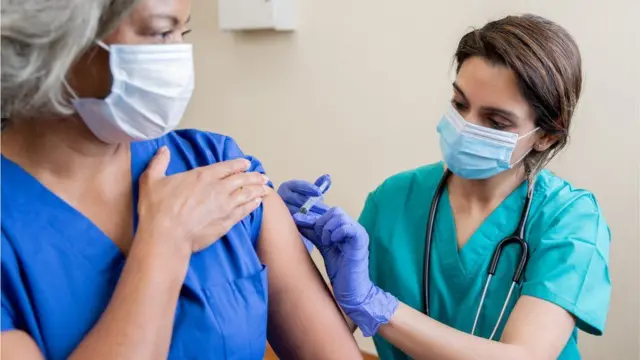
258 200
247 163
163 149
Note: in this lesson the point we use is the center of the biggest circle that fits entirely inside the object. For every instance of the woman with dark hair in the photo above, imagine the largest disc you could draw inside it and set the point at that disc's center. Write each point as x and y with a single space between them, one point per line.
414 272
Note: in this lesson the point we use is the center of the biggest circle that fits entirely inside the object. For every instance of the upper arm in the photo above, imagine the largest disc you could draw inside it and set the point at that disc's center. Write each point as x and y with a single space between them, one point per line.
542 328
304 321
566 283
570 266
18 345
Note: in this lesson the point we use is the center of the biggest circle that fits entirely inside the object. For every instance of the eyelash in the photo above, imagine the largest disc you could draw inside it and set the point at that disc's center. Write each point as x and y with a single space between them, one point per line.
494 124
458 105
167 34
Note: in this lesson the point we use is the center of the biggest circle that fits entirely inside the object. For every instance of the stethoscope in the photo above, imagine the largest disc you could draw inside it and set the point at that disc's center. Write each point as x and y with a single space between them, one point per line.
516 238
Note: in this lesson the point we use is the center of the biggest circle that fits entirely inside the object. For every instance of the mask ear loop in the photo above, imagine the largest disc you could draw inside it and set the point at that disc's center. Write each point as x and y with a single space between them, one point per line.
103 45
529 133
528 151
520 159
70 90
66 84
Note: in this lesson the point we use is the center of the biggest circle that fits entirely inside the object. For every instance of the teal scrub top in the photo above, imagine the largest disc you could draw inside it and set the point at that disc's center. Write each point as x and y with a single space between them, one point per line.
568 264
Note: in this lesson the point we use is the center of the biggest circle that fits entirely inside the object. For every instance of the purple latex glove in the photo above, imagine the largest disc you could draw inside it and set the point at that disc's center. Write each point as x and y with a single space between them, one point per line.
344 245
296 192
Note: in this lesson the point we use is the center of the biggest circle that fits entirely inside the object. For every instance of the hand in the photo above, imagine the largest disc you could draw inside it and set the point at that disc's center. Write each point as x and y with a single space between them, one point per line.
197 207
295 193
344 245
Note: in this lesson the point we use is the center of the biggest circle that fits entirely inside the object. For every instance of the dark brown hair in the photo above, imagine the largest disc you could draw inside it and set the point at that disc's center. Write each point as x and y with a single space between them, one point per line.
546 61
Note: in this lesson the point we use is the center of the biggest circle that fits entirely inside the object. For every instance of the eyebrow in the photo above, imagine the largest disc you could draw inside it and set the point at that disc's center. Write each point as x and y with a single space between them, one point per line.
457 87
509 115
173 18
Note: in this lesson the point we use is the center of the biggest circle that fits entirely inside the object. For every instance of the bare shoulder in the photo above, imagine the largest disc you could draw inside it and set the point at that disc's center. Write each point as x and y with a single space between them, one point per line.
278 234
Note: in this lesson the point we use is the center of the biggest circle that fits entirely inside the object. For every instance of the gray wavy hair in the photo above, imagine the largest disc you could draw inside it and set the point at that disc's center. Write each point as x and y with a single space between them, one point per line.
41 40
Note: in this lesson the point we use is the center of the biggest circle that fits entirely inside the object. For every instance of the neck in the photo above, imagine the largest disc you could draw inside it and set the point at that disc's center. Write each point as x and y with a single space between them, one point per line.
487 192
62 147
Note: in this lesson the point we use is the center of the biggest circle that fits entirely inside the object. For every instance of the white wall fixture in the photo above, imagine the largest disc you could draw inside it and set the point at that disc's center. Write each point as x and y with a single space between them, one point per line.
244 15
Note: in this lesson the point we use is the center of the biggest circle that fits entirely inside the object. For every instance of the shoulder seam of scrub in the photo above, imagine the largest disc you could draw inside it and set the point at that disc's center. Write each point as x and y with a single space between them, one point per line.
561 212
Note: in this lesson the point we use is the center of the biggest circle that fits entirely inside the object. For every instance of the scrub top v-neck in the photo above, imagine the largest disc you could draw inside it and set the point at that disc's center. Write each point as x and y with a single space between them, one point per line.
59 270
568 266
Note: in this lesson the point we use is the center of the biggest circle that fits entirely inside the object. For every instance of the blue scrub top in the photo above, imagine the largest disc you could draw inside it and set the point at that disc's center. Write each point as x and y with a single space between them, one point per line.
59 270
568 265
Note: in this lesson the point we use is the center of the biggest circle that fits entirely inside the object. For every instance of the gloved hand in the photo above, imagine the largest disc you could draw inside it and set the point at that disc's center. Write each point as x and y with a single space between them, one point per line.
344 245
296 192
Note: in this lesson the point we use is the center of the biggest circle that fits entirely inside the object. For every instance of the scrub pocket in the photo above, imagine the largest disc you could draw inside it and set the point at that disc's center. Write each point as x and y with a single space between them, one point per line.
240 309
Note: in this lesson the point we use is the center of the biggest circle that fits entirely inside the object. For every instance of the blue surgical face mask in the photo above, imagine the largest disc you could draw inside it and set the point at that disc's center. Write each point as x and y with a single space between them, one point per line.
476 152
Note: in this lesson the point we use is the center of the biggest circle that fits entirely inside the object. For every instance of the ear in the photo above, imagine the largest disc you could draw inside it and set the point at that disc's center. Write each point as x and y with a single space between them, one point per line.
94 66
544 142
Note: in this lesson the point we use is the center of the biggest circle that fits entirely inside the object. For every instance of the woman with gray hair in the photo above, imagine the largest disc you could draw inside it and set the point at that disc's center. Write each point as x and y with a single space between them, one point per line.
122 238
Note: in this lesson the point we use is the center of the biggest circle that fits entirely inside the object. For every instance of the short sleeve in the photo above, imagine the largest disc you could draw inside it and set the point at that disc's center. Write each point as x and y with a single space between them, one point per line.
194 148
201 148
368 215
8 320
232 151
570 266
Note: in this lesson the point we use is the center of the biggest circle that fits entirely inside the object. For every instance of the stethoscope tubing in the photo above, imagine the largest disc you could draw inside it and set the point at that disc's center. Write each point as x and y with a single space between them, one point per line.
517 238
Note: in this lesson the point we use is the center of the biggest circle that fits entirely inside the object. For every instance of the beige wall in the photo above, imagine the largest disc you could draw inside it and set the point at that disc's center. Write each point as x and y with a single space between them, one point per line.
358 89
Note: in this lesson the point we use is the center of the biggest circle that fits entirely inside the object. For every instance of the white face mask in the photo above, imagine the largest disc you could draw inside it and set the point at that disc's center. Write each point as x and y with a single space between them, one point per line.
152 86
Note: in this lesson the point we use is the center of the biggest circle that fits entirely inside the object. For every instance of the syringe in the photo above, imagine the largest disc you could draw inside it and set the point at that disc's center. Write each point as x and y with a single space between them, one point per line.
313 200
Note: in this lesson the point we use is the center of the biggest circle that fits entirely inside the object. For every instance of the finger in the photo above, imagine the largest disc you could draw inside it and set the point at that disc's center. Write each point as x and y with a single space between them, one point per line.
248 193
320 208
292 209
158 165
227 168
308 234
299 187
244 210
324 219
292 198
324 230
305 221
326 178
297 200
343 232
317 210
236 181
352 235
